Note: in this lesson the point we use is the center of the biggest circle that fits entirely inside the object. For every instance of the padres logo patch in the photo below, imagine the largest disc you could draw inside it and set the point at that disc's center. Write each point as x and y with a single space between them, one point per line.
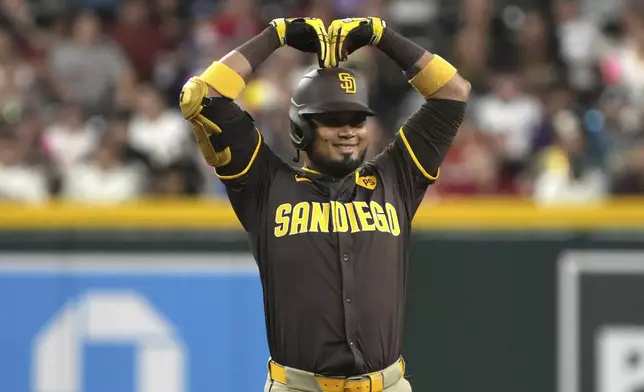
348 82
368 182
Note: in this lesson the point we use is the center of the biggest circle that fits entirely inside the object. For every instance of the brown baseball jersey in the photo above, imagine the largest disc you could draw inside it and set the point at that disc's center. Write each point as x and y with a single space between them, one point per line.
332 252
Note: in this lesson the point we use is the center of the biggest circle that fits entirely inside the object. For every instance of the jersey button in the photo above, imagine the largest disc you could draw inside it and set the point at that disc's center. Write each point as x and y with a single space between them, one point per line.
345 257
348 299
350 342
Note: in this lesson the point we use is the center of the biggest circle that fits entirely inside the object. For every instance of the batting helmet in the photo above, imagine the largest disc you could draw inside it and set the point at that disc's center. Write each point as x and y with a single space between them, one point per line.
325 90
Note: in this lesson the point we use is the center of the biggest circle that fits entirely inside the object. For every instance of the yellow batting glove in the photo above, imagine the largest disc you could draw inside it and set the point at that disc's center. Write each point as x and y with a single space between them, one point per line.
308 35
350 34
191 103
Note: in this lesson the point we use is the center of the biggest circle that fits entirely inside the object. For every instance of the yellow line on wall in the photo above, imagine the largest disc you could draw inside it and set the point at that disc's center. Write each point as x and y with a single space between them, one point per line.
450 214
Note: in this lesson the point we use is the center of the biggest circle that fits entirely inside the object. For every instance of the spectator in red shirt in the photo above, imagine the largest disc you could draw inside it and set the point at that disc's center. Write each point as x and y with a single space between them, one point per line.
239 20
141 40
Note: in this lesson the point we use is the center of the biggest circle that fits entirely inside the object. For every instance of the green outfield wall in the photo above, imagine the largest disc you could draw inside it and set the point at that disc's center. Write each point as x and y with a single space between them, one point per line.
482 306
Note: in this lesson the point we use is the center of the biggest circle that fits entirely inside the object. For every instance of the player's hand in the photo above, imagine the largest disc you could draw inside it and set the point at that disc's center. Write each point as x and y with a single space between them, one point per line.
191 102
304 34
350 34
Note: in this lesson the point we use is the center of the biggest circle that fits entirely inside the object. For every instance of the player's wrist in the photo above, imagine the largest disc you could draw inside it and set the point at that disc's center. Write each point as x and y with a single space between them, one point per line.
259 48
400 49
229 75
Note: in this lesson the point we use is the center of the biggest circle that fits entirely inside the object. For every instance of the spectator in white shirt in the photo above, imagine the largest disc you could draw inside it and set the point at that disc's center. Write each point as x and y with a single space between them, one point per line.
509 116
104 179
158 131
622 61
580 43
69 139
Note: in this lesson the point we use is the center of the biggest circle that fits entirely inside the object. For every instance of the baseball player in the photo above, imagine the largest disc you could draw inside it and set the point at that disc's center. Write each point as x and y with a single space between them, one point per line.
330 237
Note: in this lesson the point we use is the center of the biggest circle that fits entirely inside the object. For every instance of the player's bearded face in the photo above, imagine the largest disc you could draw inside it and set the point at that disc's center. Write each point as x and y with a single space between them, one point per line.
340 143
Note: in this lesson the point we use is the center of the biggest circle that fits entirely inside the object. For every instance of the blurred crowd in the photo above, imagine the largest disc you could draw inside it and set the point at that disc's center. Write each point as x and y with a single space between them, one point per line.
88 93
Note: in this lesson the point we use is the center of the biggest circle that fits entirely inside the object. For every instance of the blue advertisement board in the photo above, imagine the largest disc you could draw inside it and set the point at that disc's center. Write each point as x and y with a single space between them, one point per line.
131 323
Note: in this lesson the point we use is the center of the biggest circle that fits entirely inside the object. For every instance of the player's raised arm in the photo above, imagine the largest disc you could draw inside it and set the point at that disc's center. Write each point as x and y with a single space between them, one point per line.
225 133
428 134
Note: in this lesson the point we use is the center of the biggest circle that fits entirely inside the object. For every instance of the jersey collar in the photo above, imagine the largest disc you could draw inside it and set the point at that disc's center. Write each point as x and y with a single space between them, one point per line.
310 171
307 174
313 174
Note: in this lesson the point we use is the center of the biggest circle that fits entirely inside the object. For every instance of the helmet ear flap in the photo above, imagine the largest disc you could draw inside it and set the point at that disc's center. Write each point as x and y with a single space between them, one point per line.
301 132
